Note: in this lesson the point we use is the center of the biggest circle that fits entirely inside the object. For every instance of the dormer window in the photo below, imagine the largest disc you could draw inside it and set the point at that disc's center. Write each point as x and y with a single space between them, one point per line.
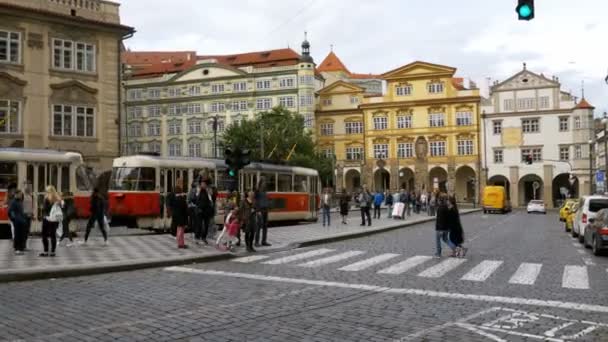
435 87
403 89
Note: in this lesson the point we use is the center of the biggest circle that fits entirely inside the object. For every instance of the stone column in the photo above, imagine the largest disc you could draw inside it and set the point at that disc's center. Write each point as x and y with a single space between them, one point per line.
394 170
514 180
548 185
367 174
339 177
451 175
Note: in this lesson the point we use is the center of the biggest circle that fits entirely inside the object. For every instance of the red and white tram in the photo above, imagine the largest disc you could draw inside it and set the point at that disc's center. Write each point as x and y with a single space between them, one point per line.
140 183
39 168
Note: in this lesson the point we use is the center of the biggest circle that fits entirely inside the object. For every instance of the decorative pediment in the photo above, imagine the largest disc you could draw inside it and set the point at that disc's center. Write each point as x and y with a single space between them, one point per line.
525 79
437 137
405 139
207 71
73 92
465 136
381 141
326 120
11 87
464 108
418 70
405 111
341 87
354 119
379 113
436 109
354 143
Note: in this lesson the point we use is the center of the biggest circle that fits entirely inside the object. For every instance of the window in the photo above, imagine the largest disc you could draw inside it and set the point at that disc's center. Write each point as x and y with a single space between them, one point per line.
134 112
354 153
173 109
508 103
218 107
354 100
194 127
218 88
262 84
327 129
175 127
153 111
307 80
284 183
174 92
154 129
175 149
135 94
380 151
536 153
437 148
404 121
10 47
239 87
564 153
8 174
286 82
72 55
498 156
73 121
354 127
435 88
543 102
403 89
465 147
327 152
578 152
526 103
239 105
135 147
286 102
306 100
10 117
380 122
194 108
436 120
327 102
309 120
563 124
530 126
154 93
196 90
464 118
405 150
154 147
497 127
577 122
265 103
194 149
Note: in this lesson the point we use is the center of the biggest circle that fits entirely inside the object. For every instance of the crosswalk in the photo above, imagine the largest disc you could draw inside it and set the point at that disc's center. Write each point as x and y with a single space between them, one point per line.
423 266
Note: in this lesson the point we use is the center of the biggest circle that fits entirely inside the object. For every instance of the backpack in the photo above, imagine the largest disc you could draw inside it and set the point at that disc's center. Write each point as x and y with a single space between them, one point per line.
56 214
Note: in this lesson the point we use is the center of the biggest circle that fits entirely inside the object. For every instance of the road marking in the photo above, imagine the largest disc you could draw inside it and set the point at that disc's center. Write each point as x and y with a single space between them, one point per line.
588 262
361 265
331 259
441 268
252 258
406 265
482 271
480 332
299 256
575 277
580 251
400 291
526 274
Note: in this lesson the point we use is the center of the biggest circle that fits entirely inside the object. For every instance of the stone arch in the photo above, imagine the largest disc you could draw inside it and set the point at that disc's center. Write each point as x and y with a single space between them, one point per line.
563 188
407 179
500 180
438 178
382 180
352 180
465 184
527 192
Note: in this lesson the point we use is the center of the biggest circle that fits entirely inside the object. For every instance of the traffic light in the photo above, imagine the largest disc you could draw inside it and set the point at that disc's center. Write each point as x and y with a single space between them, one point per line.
529 160
236 159
525 9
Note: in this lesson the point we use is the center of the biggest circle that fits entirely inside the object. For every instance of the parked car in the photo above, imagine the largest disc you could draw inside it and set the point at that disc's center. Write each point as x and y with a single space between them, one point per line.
564 210
570 217
588 207
596 233
536 206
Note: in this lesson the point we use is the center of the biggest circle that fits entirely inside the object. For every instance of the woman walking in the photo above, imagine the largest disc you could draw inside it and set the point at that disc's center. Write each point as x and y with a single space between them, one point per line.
442 226
344 204
19 221
97 215
179 215
389 203
69 212
456 234
248 219
52 215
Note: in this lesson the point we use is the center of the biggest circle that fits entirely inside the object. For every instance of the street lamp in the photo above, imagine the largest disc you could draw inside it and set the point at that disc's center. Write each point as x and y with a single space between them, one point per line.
590 166
605 122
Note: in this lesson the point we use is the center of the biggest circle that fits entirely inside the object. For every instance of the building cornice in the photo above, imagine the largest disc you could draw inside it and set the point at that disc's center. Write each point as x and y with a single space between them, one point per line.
170 81
528 114
429 102
243 95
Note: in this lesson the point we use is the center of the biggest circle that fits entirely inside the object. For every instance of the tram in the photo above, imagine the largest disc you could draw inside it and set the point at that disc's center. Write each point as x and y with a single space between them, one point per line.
39 168
140 184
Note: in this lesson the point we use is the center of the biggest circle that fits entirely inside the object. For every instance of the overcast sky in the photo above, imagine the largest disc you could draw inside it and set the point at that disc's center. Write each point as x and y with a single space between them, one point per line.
482 38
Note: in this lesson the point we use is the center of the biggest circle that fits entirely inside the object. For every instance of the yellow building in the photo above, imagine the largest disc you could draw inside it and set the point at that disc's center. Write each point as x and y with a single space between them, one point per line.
422 134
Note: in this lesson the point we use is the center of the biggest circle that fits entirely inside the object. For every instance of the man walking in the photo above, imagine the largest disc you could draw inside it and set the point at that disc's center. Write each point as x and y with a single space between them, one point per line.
205 209
378 199
365 201
389 203
326 206
262 204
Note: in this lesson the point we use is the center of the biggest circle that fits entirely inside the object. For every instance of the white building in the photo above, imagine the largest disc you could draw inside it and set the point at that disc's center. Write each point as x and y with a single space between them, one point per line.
528 114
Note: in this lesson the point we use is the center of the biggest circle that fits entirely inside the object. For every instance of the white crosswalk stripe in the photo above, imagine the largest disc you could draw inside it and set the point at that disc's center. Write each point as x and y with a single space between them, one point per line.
441 268
575 277
406 265
251 258
363 264
331 259
300 256
526 274
482 271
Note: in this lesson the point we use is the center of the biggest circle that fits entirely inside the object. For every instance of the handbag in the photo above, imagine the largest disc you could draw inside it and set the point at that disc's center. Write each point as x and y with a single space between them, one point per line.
56 214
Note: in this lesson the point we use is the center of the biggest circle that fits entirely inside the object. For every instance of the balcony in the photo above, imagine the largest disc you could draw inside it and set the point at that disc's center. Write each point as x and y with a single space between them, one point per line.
98 10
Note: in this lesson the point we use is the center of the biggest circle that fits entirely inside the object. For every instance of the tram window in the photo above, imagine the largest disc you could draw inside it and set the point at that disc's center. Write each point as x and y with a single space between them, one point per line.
30 174
221 180
301 184
133 178
284 184
41 178
271 181
8 174
162 180
54 176
147 179
65 179
84 178
170 174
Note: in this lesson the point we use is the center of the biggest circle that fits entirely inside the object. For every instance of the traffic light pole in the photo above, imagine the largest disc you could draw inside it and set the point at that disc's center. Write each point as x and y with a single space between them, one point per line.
215 118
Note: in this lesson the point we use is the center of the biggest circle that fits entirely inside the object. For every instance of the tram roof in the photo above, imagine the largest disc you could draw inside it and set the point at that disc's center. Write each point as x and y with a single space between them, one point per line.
39 155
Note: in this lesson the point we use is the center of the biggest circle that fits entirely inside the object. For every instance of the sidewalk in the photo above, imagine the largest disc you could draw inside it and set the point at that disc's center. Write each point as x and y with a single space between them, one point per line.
129 252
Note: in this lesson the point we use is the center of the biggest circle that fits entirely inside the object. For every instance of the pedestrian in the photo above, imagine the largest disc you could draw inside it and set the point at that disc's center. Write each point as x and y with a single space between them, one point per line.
344 205
248 219
389 203
19 221
10 194
411 202
456 234
178 211
231 226
52 215
97 216
433 204
193 222
404 198
205 205
442 226
378 199
262 205
423 201
326 199
365 202
69 213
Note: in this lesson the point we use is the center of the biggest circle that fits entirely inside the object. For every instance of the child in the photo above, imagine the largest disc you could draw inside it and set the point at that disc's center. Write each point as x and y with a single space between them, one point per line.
231 229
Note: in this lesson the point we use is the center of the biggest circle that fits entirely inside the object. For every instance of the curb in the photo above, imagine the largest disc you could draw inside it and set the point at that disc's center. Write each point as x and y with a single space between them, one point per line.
86 270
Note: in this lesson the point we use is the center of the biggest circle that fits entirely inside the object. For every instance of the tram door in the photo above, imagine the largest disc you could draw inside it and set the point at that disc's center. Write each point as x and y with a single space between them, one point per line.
41 175
247 182
169 180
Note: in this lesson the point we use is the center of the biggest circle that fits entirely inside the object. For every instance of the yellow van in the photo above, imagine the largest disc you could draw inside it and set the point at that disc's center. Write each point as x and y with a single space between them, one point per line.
495 199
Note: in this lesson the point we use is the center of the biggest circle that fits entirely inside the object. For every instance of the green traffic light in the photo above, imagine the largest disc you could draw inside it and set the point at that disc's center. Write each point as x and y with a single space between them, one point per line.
525 11
232 173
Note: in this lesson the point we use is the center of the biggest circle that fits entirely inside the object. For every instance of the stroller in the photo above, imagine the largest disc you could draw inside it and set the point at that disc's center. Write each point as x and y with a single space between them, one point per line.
227 238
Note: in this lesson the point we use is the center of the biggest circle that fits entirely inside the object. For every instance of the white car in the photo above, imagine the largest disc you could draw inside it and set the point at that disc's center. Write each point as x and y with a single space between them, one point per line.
588 208
536 206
